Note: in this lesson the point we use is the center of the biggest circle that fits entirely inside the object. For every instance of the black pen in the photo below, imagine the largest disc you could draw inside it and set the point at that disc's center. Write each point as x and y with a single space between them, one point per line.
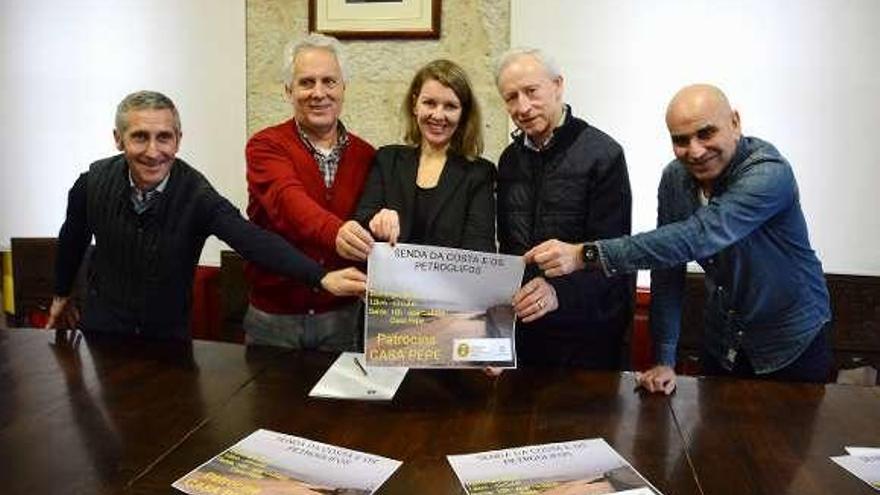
361 367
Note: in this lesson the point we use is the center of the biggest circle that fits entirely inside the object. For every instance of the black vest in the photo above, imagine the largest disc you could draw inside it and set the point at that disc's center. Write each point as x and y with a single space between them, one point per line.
142 270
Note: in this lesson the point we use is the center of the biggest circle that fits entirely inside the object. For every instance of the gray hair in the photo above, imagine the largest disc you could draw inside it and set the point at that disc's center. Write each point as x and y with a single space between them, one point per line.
511 55
144 100
313 40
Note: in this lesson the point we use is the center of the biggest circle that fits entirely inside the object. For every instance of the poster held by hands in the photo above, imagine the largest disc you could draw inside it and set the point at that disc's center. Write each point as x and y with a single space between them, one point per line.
437 307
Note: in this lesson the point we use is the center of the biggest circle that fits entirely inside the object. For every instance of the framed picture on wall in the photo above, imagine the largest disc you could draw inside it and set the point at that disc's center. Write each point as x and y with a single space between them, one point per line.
371 19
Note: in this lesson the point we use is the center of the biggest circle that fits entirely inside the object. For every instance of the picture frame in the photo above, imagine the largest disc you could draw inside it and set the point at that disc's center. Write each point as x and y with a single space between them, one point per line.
376 19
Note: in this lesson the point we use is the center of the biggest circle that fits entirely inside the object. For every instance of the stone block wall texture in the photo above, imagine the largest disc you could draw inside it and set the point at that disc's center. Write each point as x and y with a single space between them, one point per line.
473 34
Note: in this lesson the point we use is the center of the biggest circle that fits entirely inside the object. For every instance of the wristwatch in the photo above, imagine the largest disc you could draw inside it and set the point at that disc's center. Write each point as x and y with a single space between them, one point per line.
591 255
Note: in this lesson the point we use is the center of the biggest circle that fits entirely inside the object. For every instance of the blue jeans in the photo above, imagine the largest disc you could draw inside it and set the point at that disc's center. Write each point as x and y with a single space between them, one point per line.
336 330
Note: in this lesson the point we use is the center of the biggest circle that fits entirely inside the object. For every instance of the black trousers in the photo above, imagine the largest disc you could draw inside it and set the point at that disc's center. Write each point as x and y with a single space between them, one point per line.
813 365
596 348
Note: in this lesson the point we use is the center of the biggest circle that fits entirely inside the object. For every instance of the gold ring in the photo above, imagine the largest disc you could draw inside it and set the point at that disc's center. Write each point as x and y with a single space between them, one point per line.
540 304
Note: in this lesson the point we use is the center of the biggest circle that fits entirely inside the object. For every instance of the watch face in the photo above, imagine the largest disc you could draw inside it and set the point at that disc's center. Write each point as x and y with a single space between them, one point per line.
590 253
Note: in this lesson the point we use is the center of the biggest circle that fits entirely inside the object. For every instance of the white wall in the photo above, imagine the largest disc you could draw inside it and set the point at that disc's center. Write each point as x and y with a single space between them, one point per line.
64 65
805 75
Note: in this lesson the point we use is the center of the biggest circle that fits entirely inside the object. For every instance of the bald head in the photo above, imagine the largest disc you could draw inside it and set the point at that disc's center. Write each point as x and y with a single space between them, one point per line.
697 100
704 130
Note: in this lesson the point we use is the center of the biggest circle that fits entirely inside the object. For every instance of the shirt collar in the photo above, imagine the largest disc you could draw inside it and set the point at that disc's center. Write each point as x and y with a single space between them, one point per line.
158 188
530 144
341 138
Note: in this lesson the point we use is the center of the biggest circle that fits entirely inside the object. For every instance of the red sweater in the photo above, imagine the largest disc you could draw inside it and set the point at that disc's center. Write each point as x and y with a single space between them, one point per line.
287 195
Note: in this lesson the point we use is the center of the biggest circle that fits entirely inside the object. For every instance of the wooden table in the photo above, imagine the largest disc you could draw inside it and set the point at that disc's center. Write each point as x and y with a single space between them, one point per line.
113 415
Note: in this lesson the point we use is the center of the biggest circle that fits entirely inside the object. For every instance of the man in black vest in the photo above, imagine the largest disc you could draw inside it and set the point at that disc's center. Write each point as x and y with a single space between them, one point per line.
560 178
150 214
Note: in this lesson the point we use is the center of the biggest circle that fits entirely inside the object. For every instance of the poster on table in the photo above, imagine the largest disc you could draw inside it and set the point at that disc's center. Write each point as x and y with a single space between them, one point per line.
578 467
266 462
862 462
437 307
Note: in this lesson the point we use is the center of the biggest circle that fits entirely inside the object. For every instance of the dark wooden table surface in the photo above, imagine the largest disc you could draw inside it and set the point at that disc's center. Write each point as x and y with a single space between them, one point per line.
129 416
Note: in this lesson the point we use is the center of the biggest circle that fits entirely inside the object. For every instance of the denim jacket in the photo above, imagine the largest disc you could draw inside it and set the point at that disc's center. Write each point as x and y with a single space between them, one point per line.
766 293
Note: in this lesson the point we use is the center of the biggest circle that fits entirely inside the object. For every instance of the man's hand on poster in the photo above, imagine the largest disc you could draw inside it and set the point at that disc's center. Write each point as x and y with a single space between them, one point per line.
353 242
556 258
534 300
346 282
385 226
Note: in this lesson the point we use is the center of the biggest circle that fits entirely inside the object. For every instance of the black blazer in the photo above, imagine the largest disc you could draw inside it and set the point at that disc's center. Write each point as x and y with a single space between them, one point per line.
464 214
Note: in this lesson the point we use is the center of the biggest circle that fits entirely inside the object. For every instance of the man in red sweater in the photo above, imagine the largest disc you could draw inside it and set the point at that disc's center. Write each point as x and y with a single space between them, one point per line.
304 177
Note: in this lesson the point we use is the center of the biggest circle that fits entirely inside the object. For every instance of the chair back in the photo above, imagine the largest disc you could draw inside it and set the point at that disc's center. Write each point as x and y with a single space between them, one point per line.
233 296
33 279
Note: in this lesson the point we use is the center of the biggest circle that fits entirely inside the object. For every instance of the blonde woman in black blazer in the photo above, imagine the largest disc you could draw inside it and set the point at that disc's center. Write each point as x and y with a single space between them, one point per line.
435 189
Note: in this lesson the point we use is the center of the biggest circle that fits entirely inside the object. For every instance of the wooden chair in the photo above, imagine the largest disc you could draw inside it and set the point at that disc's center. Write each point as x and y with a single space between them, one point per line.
855 305
233 296
33 275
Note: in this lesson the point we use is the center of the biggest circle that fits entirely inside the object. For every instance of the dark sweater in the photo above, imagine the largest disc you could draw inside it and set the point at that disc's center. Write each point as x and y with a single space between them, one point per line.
141 273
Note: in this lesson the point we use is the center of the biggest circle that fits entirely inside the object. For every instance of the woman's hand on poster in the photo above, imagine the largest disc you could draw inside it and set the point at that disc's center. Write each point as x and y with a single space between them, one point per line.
385 226
534 300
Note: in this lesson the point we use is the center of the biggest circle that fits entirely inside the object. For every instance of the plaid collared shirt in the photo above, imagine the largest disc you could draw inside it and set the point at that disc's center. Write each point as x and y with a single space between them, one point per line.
327 163
141 200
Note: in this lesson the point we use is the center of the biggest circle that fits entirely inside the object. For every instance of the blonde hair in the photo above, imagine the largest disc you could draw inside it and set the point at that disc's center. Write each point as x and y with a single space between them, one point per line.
467 140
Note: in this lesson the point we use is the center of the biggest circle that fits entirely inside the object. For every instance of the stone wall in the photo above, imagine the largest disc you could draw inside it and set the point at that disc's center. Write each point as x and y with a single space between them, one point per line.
474 33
